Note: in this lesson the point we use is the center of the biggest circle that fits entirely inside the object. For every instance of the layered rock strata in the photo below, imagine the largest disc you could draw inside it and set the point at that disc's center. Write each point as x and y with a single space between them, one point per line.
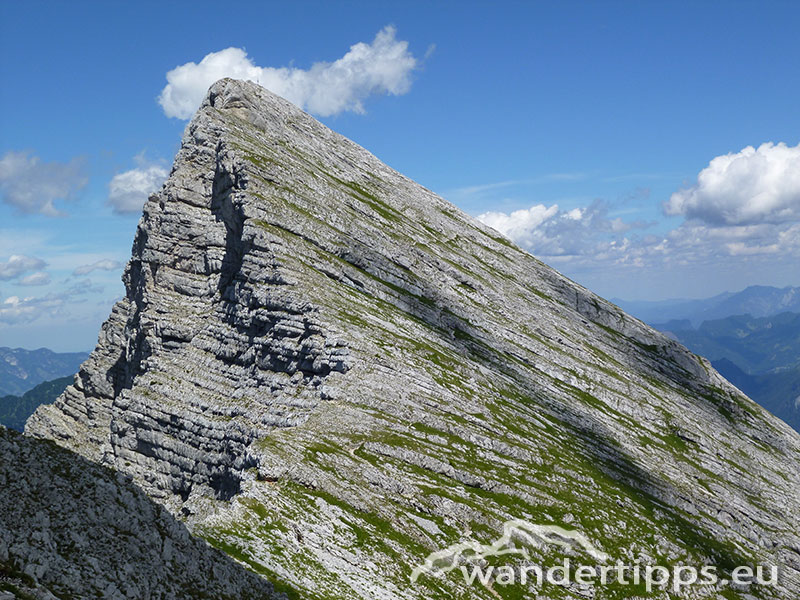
327 368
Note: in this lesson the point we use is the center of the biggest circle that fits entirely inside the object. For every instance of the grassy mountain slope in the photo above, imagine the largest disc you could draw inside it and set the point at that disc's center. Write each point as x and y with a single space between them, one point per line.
329 373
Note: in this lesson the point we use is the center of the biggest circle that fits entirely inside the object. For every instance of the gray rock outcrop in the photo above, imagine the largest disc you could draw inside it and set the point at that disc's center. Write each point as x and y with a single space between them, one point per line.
327 368
72 529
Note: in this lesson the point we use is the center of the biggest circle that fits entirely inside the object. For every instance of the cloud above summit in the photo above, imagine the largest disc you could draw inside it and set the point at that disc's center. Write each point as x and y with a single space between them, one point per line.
327 88
755 185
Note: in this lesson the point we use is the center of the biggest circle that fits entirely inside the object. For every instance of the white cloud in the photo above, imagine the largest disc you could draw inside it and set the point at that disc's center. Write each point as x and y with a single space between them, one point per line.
19 264
38 278
382 67
742 224
586 243
752 186
521 225
14 310
33 186
742 219
24 310
554 233
101 265
128 191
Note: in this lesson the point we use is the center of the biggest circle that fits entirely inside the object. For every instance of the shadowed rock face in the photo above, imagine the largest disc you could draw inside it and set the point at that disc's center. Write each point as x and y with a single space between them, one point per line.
332 372
70 528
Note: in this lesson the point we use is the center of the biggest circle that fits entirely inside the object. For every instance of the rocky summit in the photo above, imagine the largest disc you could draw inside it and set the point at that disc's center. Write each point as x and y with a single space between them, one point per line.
330 373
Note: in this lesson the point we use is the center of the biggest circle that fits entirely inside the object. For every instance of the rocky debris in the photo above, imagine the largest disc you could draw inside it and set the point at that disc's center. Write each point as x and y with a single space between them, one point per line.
72 529
323 366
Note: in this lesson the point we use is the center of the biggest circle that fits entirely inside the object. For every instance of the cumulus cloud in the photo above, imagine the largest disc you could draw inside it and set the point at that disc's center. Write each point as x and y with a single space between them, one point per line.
755 185
587 239
128 191
743 213
554 233
38 278
520 225
742 224
32 186
105 264
382 67
19 264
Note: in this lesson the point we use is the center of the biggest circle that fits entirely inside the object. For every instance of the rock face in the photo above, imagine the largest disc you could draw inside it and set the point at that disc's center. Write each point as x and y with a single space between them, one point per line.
72 529
331 372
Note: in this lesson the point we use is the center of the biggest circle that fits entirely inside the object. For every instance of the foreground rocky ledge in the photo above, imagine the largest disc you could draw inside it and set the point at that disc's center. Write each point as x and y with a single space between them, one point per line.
72 529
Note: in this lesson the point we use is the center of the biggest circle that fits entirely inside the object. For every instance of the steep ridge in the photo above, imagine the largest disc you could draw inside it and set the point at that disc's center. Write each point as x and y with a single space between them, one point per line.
330 372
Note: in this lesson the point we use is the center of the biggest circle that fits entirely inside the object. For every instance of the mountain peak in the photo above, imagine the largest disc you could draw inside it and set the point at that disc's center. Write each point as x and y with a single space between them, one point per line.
247 99
327 366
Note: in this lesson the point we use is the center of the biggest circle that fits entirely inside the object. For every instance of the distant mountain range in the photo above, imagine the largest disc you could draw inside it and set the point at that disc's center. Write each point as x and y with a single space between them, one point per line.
760 356
778 392
15 410
22 370
756 345
756 300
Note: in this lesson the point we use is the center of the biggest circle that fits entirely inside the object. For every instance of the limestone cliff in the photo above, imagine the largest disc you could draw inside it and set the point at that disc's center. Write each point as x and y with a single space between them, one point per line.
330 372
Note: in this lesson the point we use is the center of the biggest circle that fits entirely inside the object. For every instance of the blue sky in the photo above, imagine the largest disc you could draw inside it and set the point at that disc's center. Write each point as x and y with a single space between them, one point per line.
645 150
